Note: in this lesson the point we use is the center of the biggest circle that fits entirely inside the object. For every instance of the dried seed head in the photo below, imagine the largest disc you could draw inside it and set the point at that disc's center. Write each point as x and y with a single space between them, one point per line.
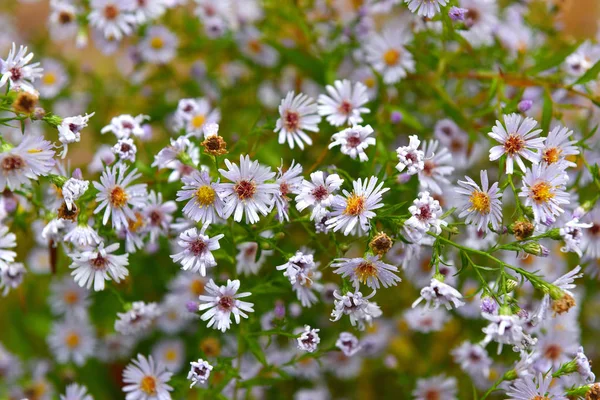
522 229
25 102
64 213
593 393
381 243
215 145
564 304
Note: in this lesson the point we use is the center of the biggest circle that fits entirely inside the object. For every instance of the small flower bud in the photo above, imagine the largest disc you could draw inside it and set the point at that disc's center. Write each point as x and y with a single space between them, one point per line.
524 105
488 305
279 309
505 310
511 284
191 306
381 244
536 249
395 117
457 13
38 113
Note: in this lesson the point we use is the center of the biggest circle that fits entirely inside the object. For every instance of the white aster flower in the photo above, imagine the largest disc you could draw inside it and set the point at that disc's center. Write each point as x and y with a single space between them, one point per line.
369 270
116 197
83 235
11 277
426 213
507 329
296 115
112 18
125 149
68 298
438 387
481 19
222 301
302 272
96 266
125 126
53 80
193 115
146 380
484 204
558 147
248 262
309 339
353 211
72 340
17 71
159 46
438 293
426 321
425 8
138 319
72 190
360 310
63 19
518 138
8 240
170 353
76 392
584 366
204 204
199 372
147 10
544 189
572 234
473 359
196 255
410 157
32 158
528 388
354 141
388 56
248 194
69 130
253 46
318 193
348 344
290 182
344 103
436 167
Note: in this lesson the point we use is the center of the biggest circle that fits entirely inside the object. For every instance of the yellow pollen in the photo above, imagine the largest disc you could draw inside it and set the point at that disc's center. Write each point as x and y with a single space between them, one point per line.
72 340
198 120
365 271
369 82
148 385
355 205
542 192
49 78
170 355
118 197
391 57
135 225
197 287
205 196
552 155
480 202
157 42
34 151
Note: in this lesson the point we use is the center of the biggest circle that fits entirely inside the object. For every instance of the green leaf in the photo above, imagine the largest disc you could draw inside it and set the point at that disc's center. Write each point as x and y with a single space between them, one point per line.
255 349
589 75
550 59
547 111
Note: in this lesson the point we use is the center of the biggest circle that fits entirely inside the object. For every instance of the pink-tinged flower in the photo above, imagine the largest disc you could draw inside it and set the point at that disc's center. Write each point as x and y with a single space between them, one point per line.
296 115
344 103
196 255
222 301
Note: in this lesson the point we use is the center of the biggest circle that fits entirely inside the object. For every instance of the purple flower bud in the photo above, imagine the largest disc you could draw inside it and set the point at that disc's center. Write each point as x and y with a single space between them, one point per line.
524 105
10 204
191 306
77 174
395 117
279 309
488 305
544 251
457 13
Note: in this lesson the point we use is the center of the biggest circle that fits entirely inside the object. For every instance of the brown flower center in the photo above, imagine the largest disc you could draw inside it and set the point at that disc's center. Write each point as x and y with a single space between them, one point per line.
111 11
245 189
514 144
291 120
13 162
198 246
226 303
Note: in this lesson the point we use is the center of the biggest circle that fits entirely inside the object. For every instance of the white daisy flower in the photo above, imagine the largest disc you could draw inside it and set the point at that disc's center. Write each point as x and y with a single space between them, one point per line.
247 262
72 190
360 310
175 314
63 19
438 387
388 56
8 240
473 359
199 372
481 19
572 234
584 366
438 293
248 194
204 204
369 270
309 339
426 213
68 298
83 235
425 8
354 141
507 329
33 157
544 189
582 59
484 204
518 139
76 392
72 340
69 130
290 182
170 353
558 147
344 103
11 277
296 115
348 344
125 126
540 386
95 266
159 46
17 71
253 46
318 193
353 211
146 380
222 301
436 167
410 157
125 149
112 18
302 272
196 255
117 198
53 80
138 319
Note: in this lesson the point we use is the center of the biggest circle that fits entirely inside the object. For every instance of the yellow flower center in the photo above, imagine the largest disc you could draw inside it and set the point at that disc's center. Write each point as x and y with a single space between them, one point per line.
369 82
542 192
480 202
205 195
72 340
552 155
255 46
118 197
137 223
148 385
197 287
355 205
171 355
198 120
391 57
71 297
157 42
514 144
365 271
49 78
